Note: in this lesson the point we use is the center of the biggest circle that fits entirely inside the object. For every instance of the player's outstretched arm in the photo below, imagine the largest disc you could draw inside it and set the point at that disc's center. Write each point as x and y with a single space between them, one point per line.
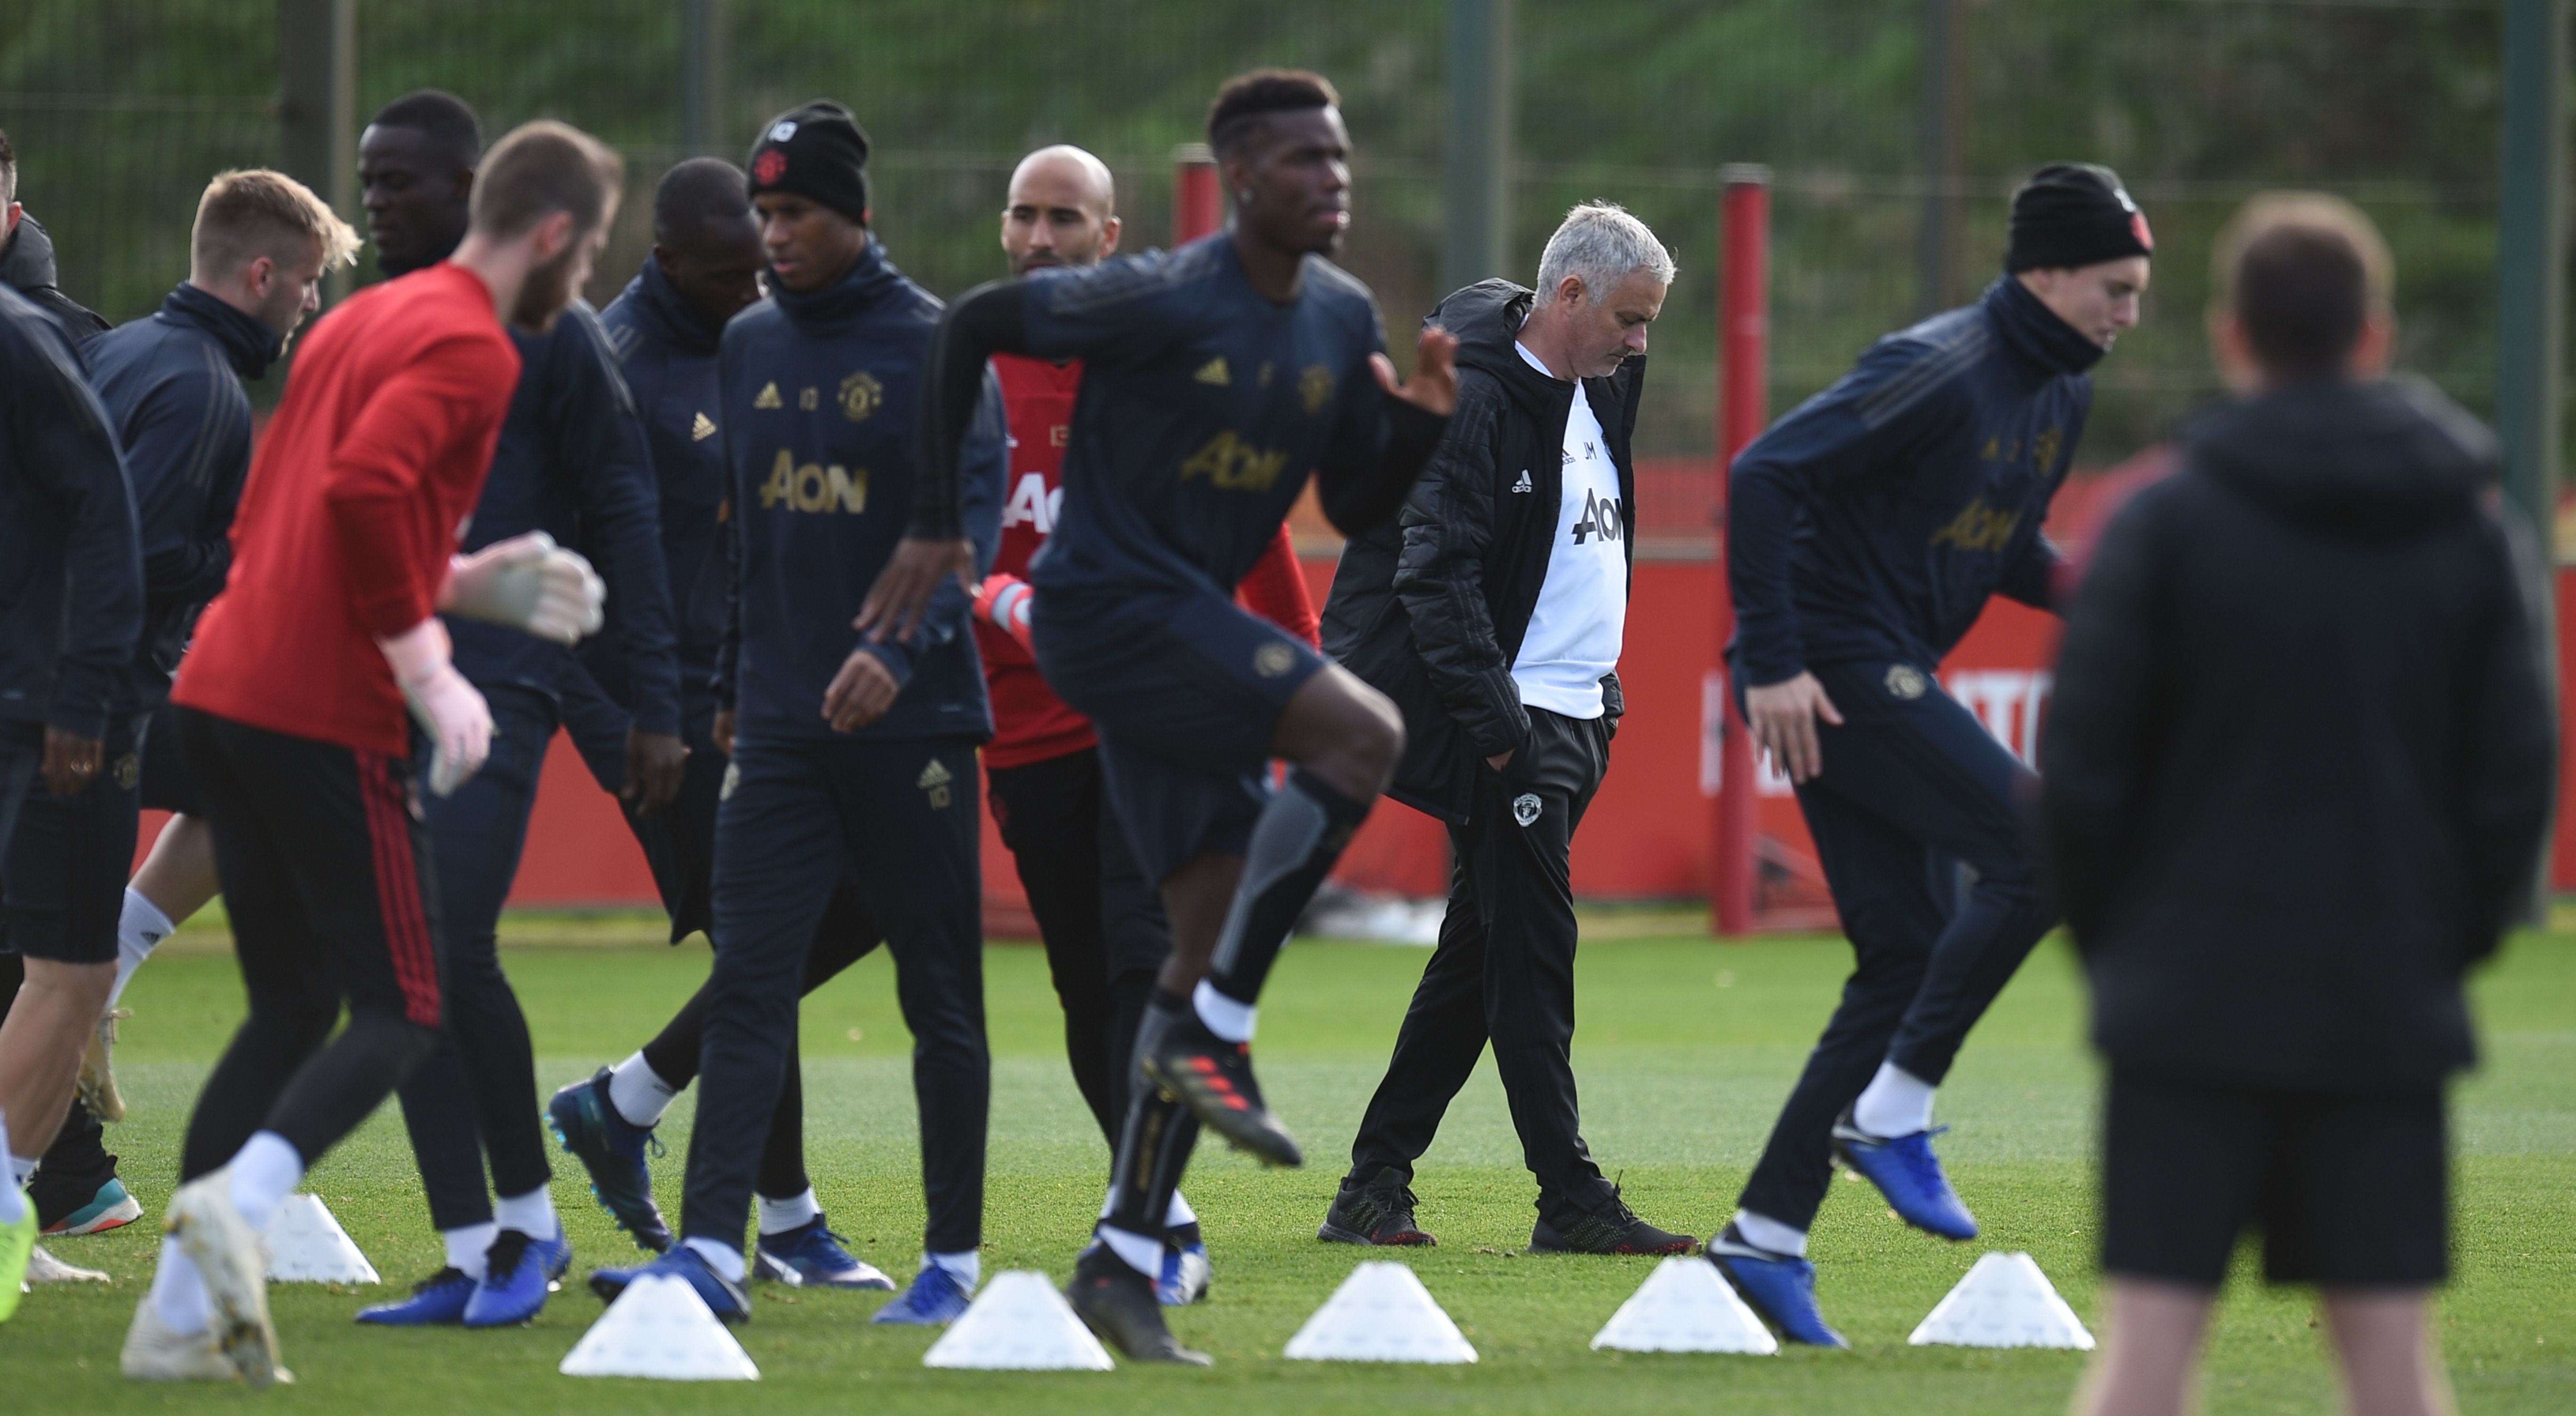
988 320
1360 491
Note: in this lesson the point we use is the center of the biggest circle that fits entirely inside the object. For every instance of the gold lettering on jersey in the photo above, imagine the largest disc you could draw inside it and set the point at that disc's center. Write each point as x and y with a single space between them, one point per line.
702 429
768 397
1315 388
935 781
813 487
1060 435
1214 372
2045 447
1992 451
1231 464
809 399
860 396
1978 527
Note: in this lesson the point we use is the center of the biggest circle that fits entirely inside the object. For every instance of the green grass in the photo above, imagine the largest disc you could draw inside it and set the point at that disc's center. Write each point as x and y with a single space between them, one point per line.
1686 1048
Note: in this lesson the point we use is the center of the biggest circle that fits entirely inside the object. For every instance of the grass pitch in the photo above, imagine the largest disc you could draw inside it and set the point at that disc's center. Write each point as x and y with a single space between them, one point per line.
1686 1048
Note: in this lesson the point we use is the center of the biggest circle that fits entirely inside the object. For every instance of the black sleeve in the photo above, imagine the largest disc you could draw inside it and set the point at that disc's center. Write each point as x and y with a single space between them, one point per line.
65 441
2510 746
1360 488
987 320
2099 754
600 441
1439 577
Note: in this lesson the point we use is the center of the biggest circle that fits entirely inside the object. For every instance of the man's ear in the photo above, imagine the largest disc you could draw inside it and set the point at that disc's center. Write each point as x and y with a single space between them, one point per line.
9 220
260 276
1569 291
1109 236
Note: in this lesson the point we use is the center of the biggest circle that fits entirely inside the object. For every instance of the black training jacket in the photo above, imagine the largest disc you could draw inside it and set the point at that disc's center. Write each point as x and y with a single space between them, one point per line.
1430 611
27 266
2299 762
71 580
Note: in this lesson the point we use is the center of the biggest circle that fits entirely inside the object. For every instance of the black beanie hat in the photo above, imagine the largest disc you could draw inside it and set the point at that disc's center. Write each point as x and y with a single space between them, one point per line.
2074 214
818 151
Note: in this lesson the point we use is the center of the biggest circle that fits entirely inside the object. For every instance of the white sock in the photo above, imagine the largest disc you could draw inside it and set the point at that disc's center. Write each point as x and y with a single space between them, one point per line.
1143 1255
639 1095
13 1201
966 1267
1179 1212
178 1293
138 930
1896 1103
1224 1017
720 1256
22 1168
466 1245
779 1216
1763 1232
532 1214
264 1172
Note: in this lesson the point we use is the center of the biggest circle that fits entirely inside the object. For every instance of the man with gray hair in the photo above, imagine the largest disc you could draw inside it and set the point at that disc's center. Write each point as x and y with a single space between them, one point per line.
1492 616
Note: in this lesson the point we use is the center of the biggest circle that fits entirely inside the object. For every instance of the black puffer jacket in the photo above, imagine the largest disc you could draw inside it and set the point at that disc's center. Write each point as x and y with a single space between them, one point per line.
27 266
1431 610
2299 761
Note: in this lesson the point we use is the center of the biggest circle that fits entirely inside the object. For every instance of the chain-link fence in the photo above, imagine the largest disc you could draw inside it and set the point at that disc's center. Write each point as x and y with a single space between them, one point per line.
120 111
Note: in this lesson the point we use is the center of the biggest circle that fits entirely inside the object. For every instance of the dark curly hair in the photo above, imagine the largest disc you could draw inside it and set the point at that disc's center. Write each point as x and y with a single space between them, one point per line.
1247 100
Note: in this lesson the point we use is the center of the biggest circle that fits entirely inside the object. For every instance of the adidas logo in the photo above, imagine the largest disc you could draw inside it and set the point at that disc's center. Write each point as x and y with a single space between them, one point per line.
934 775
1214 372
703 429
1523 484
768 398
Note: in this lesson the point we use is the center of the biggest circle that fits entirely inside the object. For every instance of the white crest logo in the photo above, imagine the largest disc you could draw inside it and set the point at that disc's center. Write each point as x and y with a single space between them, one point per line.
1525 808
732 779
782 130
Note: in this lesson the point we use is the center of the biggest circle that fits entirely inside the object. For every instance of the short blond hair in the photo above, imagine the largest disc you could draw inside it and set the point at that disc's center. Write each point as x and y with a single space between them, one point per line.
247 214
542 168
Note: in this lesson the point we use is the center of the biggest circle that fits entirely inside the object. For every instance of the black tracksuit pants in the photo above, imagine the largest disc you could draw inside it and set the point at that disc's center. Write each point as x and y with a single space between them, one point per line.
798 815
1102 925
1913 788
328 881
1503 972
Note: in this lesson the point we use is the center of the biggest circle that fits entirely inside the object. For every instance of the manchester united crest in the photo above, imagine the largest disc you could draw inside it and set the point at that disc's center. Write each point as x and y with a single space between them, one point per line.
1315 388
1904 681
860 396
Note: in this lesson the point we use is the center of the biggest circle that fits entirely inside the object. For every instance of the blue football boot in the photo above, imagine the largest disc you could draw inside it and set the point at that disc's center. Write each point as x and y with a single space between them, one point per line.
1909 1175
935 1298
723 1297
1781 1287
811 1255
1186 1272
518 1274
612 1149
436 1301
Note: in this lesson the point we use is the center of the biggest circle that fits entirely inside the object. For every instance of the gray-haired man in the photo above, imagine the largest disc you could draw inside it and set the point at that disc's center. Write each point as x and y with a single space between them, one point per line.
1492 616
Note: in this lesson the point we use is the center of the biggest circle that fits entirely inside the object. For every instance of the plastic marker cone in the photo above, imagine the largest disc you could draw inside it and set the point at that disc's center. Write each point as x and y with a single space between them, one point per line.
2005 1301
659 1328
1684 1306
1019 1323
306 1245
1381 1313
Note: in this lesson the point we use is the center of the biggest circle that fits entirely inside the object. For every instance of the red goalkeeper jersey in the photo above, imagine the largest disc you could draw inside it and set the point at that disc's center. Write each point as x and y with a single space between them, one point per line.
1031 724
357 499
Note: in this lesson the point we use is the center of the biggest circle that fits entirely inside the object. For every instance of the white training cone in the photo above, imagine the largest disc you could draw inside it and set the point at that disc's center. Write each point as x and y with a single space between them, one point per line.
306 1245
661 1329
2005 1301
1019 1323
1381 1313
1684 1306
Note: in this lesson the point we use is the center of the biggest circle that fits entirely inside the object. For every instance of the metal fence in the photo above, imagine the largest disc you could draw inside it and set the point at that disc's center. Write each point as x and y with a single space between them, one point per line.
121 109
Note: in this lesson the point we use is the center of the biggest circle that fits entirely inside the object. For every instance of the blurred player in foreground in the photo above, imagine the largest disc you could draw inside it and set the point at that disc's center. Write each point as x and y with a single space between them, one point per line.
1215 378
2300 679
294 698
1865 533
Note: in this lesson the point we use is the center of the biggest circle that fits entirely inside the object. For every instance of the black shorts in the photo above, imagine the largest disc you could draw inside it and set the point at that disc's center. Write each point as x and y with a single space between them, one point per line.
1185 690
2348 1189
64 876
165 771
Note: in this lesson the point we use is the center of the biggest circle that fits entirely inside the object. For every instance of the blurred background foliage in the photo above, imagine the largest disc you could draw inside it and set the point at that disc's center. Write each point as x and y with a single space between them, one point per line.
121 109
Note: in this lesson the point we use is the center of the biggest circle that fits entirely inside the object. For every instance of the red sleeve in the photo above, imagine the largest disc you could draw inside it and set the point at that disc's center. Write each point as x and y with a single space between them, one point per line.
1275 589
452 394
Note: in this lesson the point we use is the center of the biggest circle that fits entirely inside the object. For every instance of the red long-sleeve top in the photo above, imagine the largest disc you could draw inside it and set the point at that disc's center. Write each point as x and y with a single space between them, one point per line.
1031 724
358 497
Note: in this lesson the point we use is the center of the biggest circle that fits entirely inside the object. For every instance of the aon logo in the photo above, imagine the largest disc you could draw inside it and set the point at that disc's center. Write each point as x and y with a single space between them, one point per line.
811 487
1233 465
1032 505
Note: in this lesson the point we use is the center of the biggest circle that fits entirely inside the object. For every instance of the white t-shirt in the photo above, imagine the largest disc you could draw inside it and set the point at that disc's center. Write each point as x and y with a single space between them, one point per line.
1574 633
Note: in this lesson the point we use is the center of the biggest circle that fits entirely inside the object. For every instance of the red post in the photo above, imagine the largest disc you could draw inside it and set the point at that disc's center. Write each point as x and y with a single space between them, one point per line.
1198 203
1744 340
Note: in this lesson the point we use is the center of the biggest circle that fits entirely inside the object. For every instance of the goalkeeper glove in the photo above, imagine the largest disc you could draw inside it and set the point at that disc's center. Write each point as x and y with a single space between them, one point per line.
449 709
527 582
1002 601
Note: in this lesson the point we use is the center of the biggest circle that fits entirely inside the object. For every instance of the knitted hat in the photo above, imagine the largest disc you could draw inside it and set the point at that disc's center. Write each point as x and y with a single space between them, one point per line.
817 151
2074 214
